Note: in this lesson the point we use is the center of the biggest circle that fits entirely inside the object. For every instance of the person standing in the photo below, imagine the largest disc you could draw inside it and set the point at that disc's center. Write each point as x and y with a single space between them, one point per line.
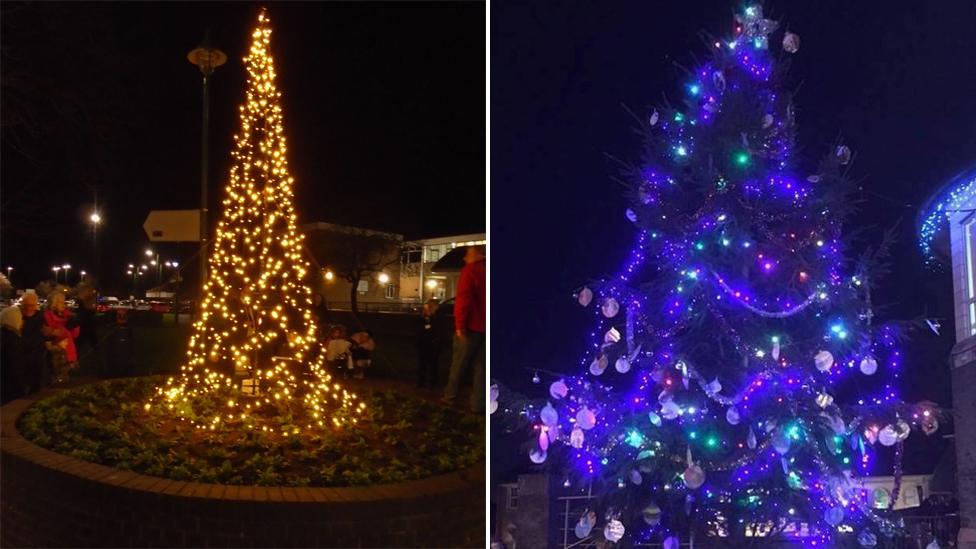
363 346
86 322
428 348
469 329
12 358
36 373
61 329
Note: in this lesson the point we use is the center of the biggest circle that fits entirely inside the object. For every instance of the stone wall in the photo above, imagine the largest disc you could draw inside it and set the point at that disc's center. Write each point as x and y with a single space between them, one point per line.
51 500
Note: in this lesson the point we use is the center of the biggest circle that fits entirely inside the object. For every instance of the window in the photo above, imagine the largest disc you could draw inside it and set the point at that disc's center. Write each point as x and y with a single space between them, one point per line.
970 290
511 502
391 291
363 286
435 253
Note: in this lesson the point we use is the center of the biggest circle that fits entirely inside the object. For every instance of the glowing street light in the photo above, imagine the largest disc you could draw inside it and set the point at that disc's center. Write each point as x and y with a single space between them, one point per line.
384 278
329 275
56 271
95 218
432 284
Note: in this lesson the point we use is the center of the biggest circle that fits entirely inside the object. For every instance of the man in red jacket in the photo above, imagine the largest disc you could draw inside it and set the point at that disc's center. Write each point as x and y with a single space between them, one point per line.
469 329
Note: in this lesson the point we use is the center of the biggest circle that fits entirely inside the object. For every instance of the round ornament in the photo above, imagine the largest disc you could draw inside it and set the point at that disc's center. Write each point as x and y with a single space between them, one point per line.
814 178
493 395
671 543
549 416
824 361
631 215
537 456
558 389
576 438
732 415
613 531
651 515
585 296
654 418
694 477
869 365
834 515
888 436
610 307
622 365
791 42
867 539
585 419
767 120
930 425
902 429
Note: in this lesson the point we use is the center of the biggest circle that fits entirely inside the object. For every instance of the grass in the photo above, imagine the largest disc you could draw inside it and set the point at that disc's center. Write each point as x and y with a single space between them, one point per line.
399 438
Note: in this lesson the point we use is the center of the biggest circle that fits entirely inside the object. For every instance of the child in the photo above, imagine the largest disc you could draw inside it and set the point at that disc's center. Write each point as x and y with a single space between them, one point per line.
337 351
362 349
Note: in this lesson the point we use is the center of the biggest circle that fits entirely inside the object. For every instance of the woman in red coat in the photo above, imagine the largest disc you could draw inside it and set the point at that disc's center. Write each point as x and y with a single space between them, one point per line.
62 330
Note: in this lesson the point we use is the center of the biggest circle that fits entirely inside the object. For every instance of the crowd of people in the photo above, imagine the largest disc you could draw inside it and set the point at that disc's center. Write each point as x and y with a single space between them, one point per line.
349 356
38 346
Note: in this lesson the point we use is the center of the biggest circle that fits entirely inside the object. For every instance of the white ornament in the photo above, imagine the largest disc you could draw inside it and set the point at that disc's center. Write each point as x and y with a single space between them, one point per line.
558 389
543 440
843 154
781 441
586 419
888 436
869 365
732 415
598 365
613 531
612 336
751 439
585 296
585 524
791 42
576 438
549 416
652 515
631 215
712 388
718 79
493 395
635 477
815 178
622 365
694 477
871 434
670 410
775 351
834 516
672 543
654 418
537 456
902 429
767 120
824 400
824 361
654 118
610 307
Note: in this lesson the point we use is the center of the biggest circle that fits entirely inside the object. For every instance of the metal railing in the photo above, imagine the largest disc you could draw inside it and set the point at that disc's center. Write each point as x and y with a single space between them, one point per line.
919 530
378 307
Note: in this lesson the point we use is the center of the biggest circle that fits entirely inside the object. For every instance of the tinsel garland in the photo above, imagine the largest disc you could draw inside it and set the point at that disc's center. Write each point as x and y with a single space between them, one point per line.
762 312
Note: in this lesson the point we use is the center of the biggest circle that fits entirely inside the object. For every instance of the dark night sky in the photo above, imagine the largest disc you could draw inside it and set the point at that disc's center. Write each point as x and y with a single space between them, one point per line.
383 106
893 80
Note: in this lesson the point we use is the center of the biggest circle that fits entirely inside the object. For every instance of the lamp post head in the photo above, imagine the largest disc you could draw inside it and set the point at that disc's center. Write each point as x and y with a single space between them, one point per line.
206 57
66 267
149 253
95 218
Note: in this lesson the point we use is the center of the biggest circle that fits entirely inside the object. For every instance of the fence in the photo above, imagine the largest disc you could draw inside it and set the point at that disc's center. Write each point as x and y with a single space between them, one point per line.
377 307
919 530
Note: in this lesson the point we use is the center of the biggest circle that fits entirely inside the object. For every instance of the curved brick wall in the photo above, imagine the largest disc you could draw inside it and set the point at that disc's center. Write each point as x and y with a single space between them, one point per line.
51 500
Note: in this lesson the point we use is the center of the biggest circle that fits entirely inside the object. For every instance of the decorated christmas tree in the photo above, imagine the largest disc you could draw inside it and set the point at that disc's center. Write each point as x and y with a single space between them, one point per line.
254 351
715 400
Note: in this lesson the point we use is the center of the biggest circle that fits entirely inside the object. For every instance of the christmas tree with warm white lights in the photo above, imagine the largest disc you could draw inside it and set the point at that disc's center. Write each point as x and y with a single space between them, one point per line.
254 348
711 402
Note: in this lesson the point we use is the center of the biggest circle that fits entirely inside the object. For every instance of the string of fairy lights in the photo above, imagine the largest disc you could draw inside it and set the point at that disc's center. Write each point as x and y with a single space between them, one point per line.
737 279
255 336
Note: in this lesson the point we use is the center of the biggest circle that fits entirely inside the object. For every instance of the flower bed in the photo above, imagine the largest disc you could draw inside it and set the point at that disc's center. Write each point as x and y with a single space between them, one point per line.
399 438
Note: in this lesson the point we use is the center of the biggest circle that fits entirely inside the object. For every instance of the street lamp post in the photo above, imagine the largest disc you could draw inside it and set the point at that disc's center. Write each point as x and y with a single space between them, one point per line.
10 270
66 268
207 58
95 219
56 270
